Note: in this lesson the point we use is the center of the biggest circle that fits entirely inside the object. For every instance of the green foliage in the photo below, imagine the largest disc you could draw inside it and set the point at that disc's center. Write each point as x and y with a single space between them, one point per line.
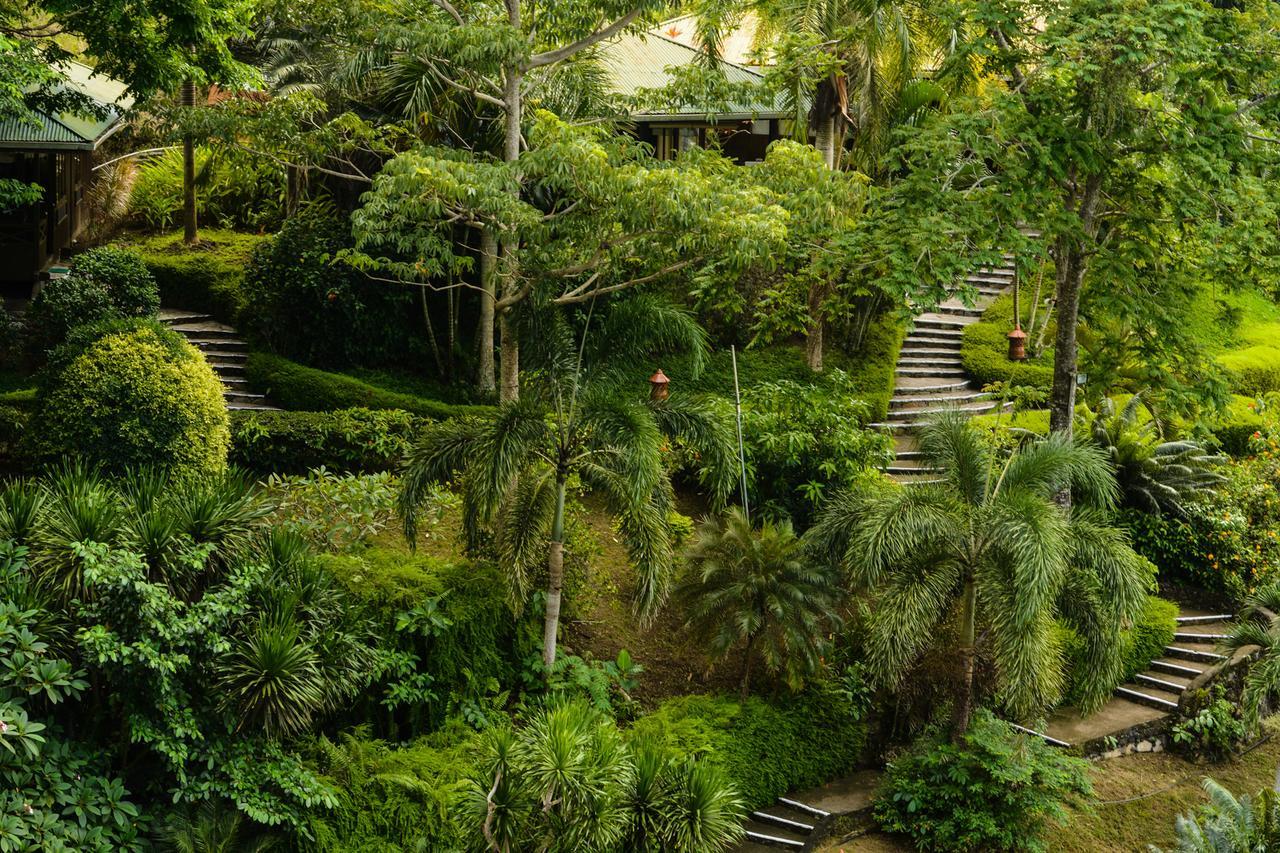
765 748
448 631
234 189
1140 643
132 393
104 284
1214 730
1237 425
56 795
207 277
309 389
995 790
803 442
755 591
1254 370
1258 634
1226 824
568 780
335 512
985 351
1227 542
308 308
346 440
1153 476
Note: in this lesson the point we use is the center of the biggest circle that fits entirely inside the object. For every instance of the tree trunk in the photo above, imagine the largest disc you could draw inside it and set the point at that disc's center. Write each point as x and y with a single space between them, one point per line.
1072 263
190 233
509 359
509 389
745 684
968 639
825 139
555 579
813 342
485 376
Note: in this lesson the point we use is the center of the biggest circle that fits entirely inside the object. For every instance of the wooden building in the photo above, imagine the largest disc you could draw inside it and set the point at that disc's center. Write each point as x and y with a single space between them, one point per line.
55 152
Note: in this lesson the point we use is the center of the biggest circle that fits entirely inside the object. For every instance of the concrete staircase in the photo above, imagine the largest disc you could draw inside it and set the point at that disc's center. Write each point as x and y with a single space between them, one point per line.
225 352
787 824
930 377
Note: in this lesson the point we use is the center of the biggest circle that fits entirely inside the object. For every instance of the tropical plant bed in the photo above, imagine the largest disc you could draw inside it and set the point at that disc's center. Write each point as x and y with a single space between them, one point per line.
1139 797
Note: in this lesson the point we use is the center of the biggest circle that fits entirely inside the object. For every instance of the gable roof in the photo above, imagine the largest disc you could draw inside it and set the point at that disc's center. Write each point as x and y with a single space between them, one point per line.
639 61
70 131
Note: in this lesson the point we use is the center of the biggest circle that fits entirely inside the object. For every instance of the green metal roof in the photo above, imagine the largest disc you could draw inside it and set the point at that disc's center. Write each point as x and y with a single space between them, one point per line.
639 61
70 131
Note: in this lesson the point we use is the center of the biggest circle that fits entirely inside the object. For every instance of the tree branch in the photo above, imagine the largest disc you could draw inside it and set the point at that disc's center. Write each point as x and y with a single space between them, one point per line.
448 7
551 57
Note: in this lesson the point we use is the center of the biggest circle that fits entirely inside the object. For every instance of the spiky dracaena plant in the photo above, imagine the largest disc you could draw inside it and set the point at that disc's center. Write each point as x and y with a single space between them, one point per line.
570 424
991 538
1154 476
758 591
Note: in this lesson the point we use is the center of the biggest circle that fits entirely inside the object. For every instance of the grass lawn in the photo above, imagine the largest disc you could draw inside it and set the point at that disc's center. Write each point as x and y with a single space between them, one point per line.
1139 797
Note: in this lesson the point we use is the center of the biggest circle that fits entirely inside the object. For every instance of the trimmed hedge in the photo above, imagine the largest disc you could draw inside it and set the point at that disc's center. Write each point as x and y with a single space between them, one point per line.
1141 644
1254 370
984 350
131 393
207 277
294 386
1235 427
765 748
348 440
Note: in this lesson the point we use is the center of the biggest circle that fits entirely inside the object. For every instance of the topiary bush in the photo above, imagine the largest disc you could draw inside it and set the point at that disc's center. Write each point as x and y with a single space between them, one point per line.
130 285
997 790
346 440
1254 371
308 308
309 389
207 277
131 393
765 748
984 350
105 283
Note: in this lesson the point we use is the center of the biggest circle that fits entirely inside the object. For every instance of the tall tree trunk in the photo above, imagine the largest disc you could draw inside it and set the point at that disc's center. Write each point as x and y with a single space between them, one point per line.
485 376
825 139
190 233
509 359
555 579
745 683
968 641
512 98
1072 260
813 342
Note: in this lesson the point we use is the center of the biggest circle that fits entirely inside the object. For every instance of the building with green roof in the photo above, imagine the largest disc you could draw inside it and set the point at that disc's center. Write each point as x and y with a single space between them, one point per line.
54 151
642 66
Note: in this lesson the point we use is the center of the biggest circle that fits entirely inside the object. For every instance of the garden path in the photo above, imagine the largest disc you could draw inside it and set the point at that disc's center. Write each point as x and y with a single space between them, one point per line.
224 350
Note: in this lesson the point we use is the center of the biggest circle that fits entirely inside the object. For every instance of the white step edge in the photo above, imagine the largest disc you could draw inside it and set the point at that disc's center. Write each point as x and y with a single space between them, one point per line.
1140 697
804 807
1046 738
765 817
761 838
1204 620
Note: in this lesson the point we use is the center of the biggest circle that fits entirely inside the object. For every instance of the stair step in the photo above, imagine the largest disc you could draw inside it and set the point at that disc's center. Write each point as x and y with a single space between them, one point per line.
1193 654
940 372
911 470
223 368
773 840
922 342
804 807
225 357
1175 667
1160 682
940 388
989 278
1204 620
942 322
207 331
243 397
1135 695
907 402
1052 741
219 344
185 318
959 310
924 352
904 414
793 825
1193 637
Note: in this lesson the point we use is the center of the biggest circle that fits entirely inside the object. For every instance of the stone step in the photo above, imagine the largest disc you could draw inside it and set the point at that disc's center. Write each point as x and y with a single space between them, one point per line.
912 343
1176 666
948 359
207 330
1194 637
1198 655
1163 681
1205 620
206 345
250 407
1134 693
931 388
936 320
907 402
948 354
243 397
224 357
783 820
1052 741
946 332
990 278
173 317
940 372
959 310
908 414
813 811
911 471
224 368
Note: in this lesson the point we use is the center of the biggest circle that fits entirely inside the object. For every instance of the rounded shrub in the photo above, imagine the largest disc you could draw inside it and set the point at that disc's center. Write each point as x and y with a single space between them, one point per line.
305 307
105 283
130 393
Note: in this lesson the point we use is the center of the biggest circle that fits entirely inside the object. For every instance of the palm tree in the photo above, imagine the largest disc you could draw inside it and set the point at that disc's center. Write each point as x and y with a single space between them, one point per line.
756 590
1229 824
991 538
516 467
1154 476
1258 631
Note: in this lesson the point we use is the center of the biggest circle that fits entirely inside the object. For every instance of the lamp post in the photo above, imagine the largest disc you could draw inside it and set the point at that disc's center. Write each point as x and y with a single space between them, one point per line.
1017 338
658 383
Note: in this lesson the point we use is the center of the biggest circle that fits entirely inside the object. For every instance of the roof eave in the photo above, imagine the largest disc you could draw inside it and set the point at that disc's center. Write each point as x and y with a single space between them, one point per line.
713 118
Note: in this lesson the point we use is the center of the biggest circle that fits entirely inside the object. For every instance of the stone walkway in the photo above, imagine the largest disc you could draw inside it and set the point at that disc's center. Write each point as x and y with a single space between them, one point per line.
224 350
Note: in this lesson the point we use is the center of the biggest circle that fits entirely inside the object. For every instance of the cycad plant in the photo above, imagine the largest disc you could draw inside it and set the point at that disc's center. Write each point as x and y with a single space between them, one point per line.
1229 824
1154 476
757 591
569 425
1259 629
991 541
